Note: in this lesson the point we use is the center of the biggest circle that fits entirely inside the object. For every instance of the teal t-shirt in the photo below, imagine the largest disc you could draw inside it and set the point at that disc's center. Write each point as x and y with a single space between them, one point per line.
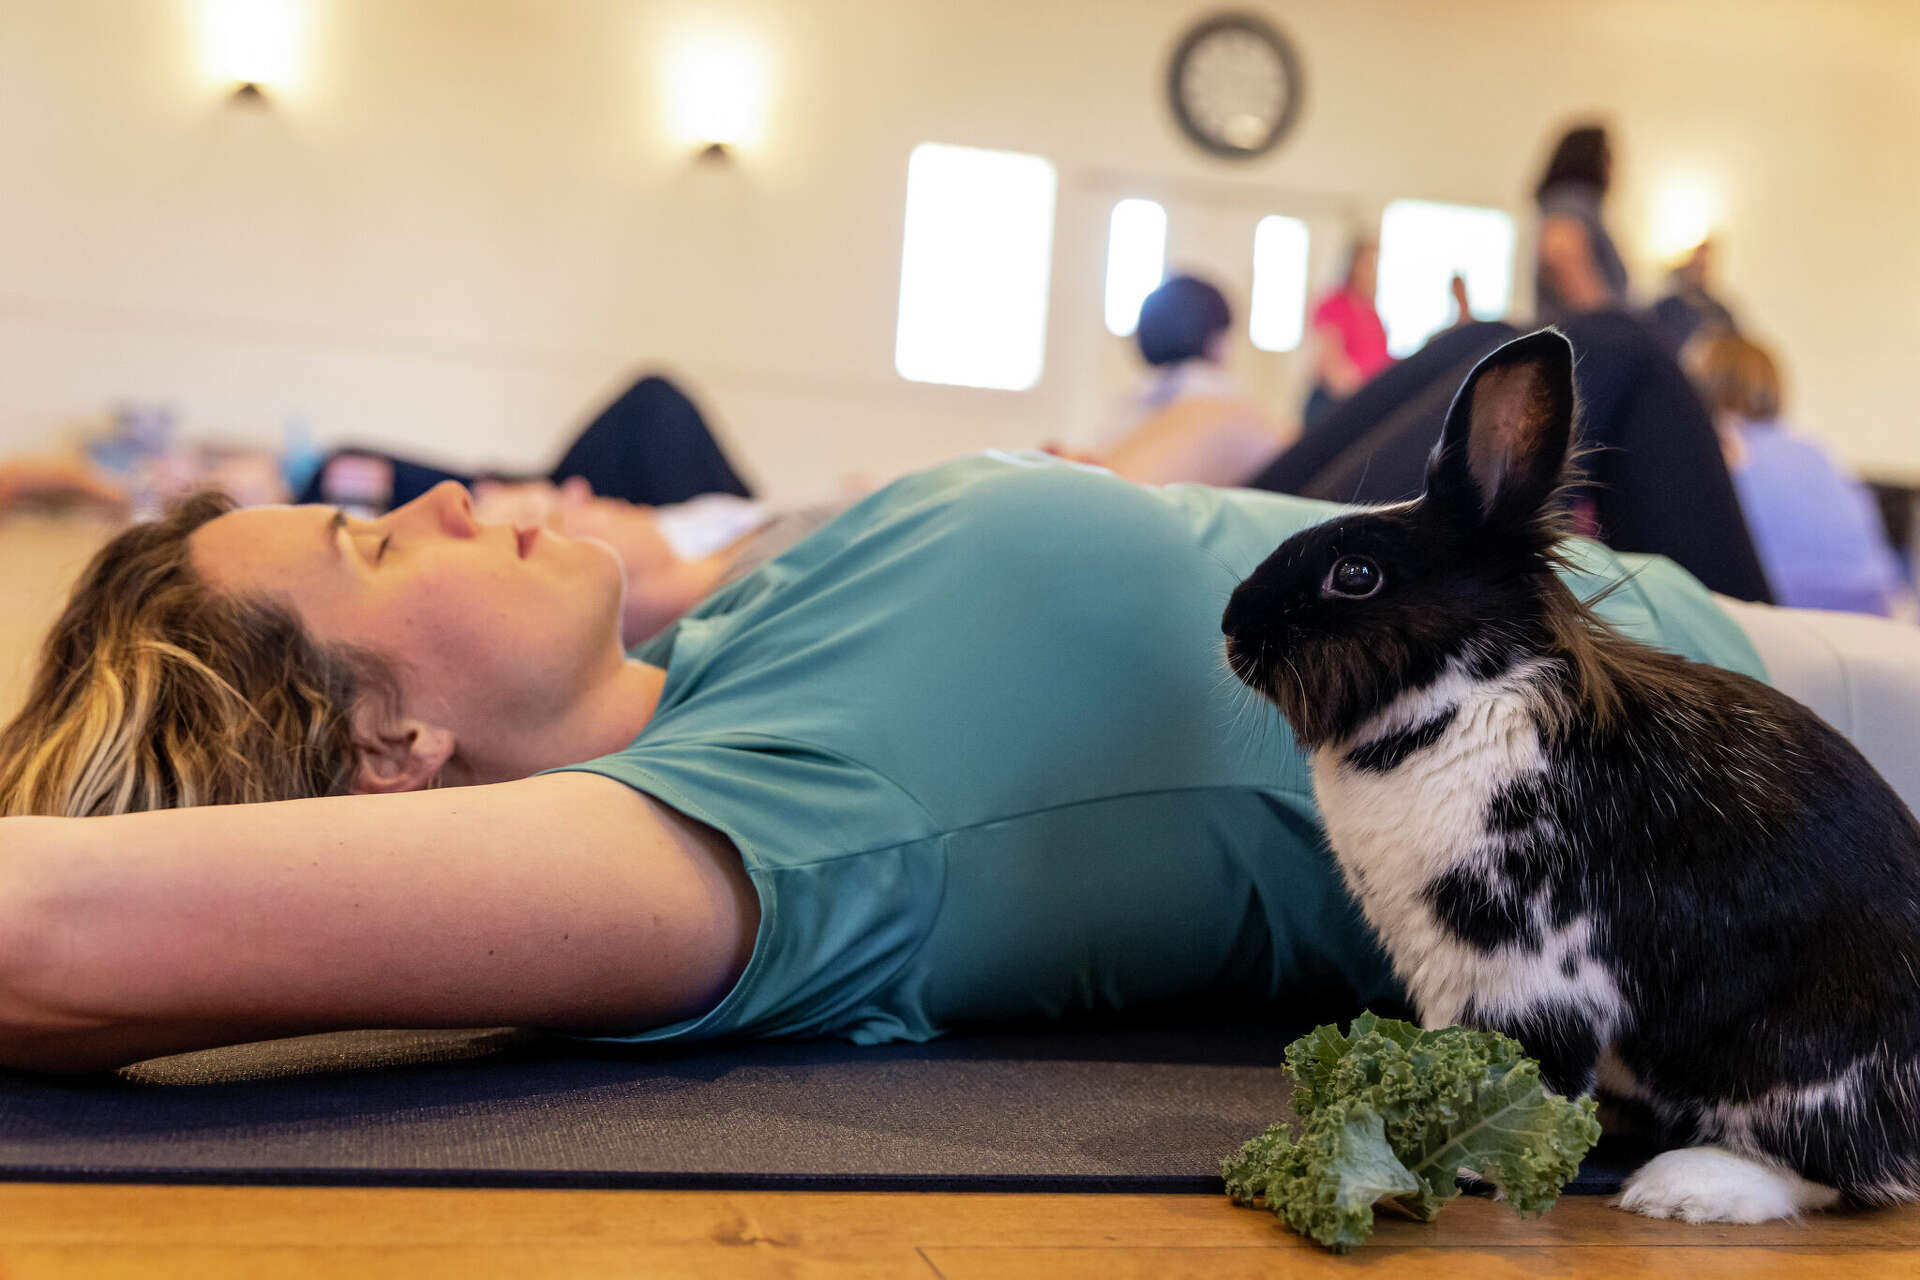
978 747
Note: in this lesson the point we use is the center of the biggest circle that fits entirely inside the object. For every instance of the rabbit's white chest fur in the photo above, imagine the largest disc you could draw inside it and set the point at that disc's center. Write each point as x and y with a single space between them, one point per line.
1417 814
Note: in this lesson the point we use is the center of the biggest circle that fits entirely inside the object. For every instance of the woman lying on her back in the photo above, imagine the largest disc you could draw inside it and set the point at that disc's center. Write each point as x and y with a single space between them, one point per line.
968 754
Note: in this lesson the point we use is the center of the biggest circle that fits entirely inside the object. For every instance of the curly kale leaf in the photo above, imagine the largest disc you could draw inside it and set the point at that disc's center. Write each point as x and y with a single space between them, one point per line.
1390 1112
1326 1182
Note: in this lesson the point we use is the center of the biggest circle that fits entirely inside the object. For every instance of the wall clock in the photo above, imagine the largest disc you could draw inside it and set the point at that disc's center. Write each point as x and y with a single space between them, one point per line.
1235 85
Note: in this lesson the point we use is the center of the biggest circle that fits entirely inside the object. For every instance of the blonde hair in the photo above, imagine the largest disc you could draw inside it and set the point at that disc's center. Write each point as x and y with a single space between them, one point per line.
1736 375
155 692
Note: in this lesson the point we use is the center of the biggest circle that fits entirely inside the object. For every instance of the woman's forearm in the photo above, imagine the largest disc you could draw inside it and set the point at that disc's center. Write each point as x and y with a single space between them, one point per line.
35 1035
1206 439
1566 256
1332 366
517 904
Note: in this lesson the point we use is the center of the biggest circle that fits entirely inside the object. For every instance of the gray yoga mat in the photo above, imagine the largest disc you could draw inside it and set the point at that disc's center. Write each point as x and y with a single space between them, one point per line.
1139 1108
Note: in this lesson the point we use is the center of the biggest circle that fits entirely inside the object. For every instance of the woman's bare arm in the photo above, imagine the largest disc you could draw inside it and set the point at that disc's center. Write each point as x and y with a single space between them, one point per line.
1566 255
1206 439
566 901
1331 364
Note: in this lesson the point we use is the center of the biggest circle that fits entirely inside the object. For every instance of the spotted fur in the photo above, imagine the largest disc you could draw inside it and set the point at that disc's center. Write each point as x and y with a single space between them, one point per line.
1676 887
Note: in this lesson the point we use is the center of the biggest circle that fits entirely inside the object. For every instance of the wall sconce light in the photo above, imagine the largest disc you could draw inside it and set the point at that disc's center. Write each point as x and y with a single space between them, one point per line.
253 46
1683 216
717 95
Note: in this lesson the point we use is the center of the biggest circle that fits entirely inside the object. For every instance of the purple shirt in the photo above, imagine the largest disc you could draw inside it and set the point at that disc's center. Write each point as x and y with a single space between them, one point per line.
1814 526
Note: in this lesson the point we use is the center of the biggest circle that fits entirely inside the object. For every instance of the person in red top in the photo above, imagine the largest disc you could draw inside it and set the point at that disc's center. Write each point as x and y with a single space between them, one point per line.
1349 342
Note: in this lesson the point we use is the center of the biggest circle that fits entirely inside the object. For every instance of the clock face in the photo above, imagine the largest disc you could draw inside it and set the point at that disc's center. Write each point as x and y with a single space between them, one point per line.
1235 85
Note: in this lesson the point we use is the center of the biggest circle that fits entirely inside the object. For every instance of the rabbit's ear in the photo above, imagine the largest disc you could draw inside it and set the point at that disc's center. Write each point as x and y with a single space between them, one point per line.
1505 444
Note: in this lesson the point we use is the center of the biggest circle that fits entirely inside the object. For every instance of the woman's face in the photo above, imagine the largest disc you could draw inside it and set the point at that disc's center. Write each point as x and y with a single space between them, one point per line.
491 630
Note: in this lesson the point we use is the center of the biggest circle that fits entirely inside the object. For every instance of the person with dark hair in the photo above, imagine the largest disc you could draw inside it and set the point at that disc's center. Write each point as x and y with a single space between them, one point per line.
1349 342
1576 267
1190 421
650 446
1182 336
1183 320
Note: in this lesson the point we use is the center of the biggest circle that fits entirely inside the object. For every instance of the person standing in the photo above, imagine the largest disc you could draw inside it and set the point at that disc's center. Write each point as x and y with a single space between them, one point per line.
1577 269
1349 342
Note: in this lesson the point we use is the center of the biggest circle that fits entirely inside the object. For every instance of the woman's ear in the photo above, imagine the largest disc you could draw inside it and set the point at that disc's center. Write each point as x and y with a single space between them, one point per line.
1505 444
397 754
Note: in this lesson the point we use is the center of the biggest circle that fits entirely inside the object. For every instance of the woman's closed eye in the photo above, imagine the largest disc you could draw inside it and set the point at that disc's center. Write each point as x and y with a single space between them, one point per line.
371 547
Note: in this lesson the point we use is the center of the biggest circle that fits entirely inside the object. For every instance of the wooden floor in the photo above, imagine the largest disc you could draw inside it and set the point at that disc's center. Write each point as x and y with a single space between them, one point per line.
213 1233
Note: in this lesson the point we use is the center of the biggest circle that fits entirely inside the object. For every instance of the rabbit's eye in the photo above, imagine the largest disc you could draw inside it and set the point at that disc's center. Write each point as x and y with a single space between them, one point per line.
1354 577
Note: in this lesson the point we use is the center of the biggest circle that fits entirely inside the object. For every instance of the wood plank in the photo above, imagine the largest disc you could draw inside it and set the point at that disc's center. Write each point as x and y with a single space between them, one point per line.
60 1231
989 1263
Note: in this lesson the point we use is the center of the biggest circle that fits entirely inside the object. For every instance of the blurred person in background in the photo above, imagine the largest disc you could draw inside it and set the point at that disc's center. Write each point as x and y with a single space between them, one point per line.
1814 524
1183 334
1577 269
1191 421
1349 342
651 445
1689 309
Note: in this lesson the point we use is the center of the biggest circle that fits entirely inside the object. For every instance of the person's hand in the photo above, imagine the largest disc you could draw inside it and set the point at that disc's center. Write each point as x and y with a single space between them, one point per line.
1462 307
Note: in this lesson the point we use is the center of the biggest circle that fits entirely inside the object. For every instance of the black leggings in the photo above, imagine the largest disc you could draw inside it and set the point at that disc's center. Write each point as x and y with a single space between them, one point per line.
1655 474
650 446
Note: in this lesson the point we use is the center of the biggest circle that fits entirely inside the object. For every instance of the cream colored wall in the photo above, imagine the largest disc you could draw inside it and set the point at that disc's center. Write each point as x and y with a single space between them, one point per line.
467 226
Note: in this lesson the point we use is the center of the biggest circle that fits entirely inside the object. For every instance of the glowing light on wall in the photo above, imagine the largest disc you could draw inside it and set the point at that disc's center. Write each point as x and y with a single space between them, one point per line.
1682 217
975 268
716 91
1136 261
254 42
1422 247
1276 321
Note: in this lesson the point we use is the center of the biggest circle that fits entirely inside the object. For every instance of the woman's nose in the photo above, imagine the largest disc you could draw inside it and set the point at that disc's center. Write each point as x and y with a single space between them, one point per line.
447 508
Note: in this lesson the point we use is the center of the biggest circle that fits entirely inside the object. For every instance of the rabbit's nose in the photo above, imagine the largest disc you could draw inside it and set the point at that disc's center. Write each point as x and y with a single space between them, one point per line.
1250 607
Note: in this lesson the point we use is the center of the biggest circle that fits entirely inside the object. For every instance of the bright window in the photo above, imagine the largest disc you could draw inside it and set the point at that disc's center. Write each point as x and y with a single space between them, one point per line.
974 268
1136 261
1422 247
1278 315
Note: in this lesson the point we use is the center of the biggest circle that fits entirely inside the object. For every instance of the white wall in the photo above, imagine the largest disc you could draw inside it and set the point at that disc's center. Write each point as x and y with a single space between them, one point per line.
465 226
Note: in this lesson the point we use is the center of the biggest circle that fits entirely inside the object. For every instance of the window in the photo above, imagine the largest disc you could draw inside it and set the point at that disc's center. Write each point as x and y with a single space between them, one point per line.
974 268
1277 318
1136 261
1422 247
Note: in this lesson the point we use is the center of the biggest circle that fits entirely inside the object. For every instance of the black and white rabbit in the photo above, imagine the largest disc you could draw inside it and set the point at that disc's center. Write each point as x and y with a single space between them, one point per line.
1676 887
